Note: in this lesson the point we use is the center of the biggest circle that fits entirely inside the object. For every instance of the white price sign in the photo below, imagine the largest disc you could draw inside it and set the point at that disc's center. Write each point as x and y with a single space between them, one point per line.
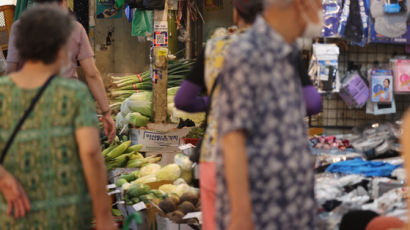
114 192
139 206
111 186
191 215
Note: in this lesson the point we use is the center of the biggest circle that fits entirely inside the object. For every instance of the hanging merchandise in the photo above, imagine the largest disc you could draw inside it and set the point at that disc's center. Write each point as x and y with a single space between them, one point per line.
332 11
129 13
402 76
381 85
395 6
388 28
142 23
213 4
324 67
108 9
146 4
354 22
381 90
354 90
381 108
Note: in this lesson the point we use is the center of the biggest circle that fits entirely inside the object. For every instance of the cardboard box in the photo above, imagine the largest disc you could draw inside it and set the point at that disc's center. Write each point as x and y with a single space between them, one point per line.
167 158
159 138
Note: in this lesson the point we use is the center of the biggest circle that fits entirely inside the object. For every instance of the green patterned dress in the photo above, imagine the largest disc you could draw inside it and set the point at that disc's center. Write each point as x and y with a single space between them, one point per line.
44 156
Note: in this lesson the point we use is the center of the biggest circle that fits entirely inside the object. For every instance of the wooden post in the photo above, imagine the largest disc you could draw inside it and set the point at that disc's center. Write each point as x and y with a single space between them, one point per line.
199 28
160 65
189 41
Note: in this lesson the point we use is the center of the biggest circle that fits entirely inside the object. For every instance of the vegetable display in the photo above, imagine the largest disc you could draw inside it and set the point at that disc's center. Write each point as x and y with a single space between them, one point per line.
123 87
123 155
175 208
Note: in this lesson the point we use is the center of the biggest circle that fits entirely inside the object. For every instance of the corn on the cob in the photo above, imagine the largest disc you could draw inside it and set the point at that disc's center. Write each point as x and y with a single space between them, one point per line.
135 148
138 163
109 149
118 150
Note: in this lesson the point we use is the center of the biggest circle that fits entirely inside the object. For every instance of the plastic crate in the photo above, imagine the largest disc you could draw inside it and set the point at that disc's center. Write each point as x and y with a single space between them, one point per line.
6 20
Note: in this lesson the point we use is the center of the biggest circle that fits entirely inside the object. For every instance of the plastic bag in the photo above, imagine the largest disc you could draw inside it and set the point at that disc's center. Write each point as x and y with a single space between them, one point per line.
142 23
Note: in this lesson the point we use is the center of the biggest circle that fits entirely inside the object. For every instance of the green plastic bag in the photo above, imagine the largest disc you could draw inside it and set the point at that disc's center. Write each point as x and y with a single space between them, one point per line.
133 217
21 6
142 23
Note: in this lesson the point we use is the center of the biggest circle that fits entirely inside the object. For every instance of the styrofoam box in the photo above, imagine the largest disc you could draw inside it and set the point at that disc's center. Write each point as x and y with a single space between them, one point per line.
165 224
159 138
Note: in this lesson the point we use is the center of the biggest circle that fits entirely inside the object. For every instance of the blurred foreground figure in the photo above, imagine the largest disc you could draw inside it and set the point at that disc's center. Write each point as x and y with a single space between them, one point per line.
265 172
53 175
79 50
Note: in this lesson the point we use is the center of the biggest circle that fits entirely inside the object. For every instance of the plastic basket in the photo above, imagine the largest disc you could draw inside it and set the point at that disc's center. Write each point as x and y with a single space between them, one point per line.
6 20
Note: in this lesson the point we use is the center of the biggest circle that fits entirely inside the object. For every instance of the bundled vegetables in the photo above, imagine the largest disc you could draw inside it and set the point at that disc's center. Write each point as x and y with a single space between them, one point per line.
179 175
122 155
124 87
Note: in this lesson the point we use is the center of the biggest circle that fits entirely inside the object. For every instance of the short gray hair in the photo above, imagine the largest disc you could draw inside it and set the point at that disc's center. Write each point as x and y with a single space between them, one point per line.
268 3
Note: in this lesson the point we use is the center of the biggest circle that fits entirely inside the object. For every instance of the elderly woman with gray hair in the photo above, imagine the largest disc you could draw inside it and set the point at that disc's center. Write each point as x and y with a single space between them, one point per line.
52 174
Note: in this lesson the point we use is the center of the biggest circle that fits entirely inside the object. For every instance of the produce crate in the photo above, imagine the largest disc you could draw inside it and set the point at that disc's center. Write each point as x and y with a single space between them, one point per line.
6 20
164 223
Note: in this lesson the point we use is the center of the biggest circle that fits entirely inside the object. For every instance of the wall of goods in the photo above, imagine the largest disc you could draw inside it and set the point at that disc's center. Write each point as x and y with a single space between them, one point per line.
361 66
363 43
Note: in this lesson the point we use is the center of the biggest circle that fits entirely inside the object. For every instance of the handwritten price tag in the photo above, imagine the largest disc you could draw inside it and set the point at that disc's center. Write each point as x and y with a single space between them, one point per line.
114 192
111 186
139 206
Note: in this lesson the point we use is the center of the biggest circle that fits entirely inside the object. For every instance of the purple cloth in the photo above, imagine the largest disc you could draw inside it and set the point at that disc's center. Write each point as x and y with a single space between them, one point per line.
188 99
313 101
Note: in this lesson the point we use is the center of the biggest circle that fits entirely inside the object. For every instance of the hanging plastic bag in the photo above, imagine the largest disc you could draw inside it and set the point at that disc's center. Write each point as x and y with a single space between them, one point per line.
142 23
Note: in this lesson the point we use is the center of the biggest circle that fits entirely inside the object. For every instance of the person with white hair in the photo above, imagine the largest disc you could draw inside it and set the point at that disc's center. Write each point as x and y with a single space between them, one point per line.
265 177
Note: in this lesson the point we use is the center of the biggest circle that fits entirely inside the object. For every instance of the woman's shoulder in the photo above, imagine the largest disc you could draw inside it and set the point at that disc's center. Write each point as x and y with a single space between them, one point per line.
5 80
70 84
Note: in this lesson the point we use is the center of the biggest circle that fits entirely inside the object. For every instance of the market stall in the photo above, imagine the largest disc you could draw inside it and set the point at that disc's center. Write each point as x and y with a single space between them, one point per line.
152 180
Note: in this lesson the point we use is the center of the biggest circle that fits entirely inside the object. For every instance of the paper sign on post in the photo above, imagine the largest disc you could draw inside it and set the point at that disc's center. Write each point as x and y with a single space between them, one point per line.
139 206
111 186
114 192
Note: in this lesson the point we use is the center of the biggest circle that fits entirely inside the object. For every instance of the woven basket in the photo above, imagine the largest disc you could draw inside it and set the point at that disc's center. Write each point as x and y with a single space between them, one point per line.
6 20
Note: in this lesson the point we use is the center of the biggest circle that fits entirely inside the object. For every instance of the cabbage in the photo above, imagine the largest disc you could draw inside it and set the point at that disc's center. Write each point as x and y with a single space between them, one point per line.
141 103
137 119
183 161
150 169
179 181
170 172
126 186
195 191
187 176
182 188
145 180
167 188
